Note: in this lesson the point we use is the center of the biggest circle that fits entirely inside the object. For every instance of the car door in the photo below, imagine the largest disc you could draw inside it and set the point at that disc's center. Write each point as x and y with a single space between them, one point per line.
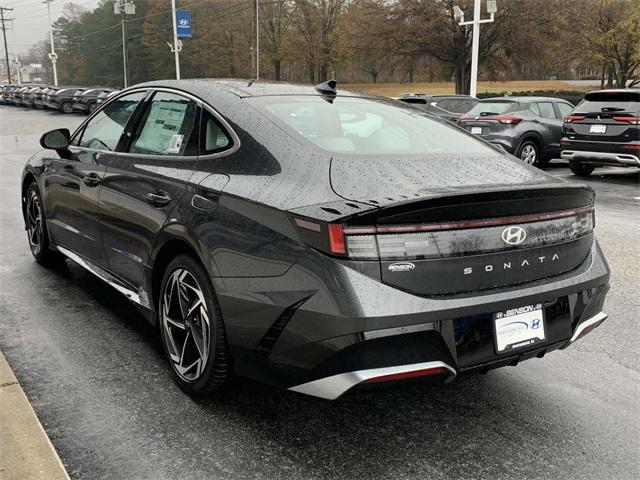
72 182
146 181
549 127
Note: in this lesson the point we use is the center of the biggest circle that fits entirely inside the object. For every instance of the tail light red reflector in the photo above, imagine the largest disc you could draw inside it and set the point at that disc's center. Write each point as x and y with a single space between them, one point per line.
631 120
336 239
507 119
632 147
574 118
406 375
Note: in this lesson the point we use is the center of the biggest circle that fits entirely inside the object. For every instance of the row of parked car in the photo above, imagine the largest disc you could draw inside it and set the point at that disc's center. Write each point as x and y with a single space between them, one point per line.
67 99
603 129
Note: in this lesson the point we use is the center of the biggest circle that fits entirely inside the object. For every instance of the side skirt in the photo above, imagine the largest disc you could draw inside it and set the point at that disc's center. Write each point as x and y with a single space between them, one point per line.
140 297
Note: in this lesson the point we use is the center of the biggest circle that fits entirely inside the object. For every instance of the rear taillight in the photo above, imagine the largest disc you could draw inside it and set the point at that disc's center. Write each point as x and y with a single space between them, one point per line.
632 147
630 120
447 239
574 118
336 239
508 119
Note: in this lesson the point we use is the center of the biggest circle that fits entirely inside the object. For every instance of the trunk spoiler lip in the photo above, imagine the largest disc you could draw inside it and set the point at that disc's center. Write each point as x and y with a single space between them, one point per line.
330 212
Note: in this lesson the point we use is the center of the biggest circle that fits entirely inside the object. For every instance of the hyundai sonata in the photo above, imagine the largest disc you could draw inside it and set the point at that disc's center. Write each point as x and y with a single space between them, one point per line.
313 238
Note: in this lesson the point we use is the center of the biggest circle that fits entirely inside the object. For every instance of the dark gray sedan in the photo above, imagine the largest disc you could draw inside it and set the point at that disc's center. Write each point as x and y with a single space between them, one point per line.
315 239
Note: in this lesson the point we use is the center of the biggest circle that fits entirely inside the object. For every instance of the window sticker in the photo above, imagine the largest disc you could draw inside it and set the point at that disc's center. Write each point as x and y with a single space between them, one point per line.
176 143
160 133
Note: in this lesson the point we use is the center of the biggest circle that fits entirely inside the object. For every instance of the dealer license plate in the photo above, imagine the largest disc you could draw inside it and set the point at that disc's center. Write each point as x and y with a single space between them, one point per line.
598 129
519 328
476 130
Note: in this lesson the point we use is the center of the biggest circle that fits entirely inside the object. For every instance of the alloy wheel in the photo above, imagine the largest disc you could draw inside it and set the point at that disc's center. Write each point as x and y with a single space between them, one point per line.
67 107
529 154
34 223
186 324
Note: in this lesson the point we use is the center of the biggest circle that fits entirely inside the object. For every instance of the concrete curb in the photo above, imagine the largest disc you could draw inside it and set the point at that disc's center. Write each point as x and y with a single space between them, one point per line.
26 453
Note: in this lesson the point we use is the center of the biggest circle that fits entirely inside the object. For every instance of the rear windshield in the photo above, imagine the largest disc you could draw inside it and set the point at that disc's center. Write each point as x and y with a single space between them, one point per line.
488 108
609 102
360 126
455 105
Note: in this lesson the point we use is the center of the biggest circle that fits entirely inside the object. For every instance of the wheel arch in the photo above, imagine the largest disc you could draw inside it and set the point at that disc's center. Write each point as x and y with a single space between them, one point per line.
27 179
172 241
530 136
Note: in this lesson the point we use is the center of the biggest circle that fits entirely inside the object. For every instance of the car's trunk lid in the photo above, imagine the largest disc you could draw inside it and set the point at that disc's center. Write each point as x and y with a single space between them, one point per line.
457 212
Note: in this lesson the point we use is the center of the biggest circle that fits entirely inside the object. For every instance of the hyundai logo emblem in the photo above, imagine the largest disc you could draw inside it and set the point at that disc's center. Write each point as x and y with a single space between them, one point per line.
514 235
183 21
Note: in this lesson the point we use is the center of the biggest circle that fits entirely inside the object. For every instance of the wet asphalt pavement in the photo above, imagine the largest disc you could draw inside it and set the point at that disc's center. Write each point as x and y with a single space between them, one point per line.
94 372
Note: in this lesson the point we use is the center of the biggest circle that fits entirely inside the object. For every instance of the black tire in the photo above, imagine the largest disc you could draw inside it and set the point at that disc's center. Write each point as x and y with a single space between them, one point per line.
37 233
581 169
92 107
211 375
66 107
529 153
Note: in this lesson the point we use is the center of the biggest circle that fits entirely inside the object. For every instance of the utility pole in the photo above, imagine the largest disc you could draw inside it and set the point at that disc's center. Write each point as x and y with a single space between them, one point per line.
16 58
492 9
177 44
4 36
124 8
53 56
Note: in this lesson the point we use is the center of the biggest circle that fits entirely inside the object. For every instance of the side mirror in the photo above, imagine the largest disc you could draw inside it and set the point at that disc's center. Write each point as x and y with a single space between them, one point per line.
56 139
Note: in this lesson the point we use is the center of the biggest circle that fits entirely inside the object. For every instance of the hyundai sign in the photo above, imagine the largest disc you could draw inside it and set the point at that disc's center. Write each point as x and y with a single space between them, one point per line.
183 23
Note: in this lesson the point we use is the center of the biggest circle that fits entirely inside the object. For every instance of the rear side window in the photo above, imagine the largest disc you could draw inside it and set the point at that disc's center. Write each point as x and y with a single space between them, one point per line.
599 102
169 127
564 108
493 108
547 110
213 138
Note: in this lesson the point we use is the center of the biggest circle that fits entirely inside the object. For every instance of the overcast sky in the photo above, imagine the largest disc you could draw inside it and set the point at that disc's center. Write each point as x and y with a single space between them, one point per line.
31 22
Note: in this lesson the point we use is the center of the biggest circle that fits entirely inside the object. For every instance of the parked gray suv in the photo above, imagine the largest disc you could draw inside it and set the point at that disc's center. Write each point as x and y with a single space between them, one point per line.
528 127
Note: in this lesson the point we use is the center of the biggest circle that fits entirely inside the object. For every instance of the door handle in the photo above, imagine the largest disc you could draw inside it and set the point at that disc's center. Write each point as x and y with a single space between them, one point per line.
92 179
158 198
535 120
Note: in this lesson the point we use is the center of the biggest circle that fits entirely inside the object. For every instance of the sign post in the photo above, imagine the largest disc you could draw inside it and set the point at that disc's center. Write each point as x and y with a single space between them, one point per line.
181 29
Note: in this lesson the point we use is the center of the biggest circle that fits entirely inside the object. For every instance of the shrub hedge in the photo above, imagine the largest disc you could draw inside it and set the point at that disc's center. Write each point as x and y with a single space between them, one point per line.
573 96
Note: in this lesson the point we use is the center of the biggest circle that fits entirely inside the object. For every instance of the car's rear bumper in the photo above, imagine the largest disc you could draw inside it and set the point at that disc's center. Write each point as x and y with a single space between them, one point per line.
603 158
323 328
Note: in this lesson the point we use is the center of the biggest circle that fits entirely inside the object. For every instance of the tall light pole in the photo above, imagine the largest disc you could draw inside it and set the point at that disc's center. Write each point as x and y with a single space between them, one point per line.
53 56
492 8
257 39
16 58
124 8
176 47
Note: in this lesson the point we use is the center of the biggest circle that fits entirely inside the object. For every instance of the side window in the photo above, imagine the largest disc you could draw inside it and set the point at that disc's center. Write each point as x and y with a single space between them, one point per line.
547 110
533 107
168 127
213 137
565 109
103 131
